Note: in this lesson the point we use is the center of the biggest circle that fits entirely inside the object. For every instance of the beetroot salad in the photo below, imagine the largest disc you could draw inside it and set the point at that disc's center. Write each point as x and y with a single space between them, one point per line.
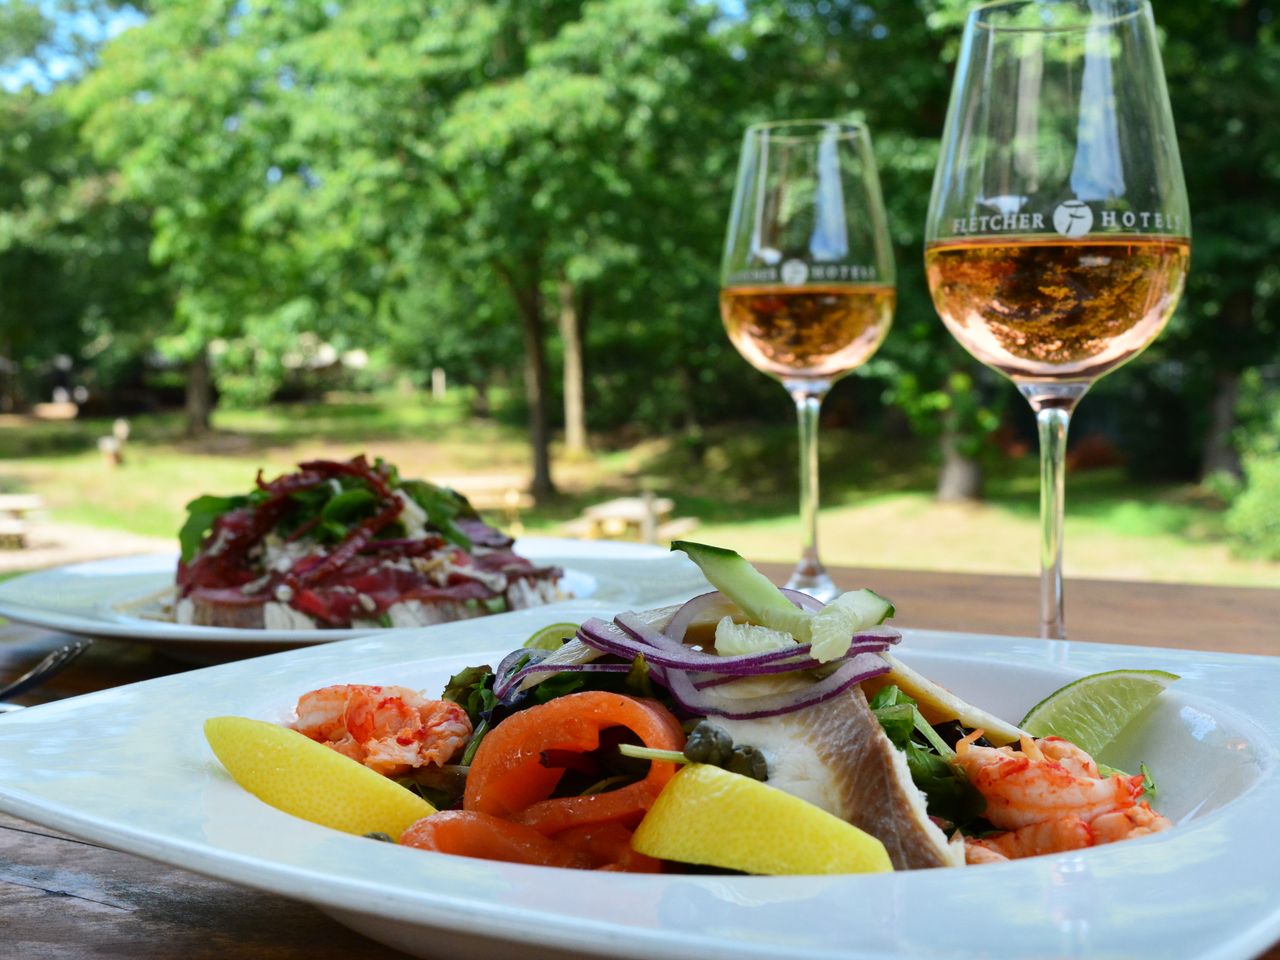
348 544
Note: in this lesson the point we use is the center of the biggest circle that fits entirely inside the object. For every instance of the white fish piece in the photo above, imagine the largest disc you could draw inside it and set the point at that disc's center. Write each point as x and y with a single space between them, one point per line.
836 756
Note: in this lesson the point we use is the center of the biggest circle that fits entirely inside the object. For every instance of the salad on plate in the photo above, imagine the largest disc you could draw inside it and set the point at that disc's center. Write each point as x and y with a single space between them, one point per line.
751 729
339 544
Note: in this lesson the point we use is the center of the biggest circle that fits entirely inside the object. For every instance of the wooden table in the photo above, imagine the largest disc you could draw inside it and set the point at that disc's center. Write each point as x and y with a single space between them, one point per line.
62 898
14 508
641 516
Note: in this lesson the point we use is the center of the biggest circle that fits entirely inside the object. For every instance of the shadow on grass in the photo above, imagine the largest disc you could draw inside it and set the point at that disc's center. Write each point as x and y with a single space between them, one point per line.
1109 497
245 431
749 472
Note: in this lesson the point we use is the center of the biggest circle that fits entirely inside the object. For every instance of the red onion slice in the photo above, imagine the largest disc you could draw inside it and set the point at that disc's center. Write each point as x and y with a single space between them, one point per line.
634 637
855 670
500 690
701 703
705 682
801 600
678 681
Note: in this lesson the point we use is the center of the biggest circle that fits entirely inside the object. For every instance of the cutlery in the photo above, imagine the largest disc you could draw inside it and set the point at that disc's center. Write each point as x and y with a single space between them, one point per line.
51 664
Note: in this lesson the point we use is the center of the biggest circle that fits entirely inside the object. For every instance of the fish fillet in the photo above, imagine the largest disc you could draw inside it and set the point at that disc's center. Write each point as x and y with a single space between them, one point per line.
836 755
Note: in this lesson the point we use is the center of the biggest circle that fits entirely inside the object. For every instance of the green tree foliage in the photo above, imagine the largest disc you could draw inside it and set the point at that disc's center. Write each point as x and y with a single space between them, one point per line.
448 184
73 263
1222 59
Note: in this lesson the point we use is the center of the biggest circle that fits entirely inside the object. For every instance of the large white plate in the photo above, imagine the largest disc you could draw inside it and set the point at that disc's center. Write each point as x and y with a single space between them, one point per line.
129 768
92 598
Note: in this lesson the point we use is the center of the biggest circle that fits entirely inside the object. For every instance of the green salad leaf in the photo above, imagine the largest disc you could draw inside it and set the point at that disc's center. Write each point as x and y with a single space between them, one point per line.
350 506
949 793
201 514
442 506
472 690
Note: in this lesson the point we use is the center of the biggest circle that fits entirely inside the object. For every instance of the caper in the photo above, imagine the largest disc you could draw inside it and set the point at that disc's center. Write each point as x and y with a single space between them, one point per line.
707 743
749 762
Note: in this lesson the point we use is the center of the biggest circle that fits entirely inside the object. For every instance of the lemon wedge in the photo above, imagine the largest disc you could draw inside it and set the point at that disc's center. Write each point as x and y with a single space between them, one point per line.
709 816
285 769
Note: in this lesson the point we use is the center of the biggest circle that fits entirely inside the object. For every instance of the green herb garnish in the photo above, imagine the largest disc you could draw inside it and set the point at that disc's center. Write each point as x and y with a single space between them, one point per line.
201 514
949 793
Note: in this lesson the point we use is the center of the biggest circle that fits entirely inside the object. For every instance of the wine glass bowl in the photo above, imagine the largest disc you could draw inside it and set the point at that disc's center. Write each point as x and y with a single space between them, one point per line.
1058 236
807 281
1051 309
818 332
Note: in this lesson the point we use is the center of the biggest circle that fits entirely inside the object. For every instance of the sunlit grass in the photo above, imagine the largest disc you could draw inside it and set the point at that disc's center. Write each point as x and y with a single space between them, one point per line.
739 480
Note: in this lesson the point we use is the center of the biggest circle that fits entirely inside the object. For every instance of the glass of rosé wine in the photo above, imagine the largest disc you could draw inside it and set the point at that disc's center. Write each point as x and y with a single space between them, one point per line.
1058 234
807 282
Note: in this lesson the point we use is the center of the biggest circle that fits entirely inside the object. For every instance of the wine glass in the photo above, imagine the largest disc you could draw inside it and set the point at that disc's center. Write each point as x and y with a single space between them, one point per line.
807 286
1058 235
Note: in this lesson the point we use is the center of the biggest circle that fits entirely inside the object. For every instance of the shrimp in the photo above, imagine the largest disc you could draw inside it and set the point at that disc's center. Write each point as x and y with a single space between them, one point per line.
1049 797
1137 821
391 730
1029 786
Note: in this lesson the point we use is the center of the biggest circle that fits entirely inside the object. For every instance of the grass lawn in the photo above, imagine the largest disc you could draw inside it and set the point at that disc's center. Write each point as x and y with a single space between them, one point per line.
740 482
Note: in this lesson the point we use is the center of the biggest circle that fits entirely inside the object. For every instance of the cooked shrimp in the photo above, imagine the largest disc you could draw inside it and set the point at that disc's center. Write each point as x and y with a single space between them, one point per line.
1137 821
1049 836
1028 786
389 729
1049 797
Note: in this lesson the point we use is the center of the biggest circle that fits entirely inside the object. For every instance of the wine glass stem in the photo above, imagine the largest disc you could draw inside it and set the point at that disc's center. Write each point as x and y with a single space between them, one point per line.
1053 423
808 399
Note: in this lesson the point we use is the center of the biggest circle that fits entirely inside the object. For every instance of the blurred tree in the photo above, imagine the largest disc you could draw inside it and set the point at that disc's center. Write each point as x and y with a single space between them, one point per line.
165 108
72 263
1222 59
456 185
526 148
37 310
886 62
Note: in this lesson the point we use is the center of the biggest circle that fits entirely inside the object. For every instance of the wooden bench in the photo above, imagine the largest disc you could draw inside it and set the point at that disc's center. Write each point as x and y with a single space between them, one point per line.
646 518
14 508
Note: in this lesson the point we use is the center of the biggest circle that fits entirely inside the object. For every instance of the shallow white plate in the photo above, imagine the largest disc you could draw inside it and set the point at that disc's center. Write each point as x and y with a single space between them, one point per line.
93 598
129 768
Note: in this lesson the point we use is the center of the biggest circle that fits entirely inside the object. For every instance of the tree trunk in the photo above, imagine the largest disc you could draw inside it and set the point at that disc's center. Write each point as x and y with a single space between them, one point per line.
532 327
575 393
481 405
199 394
1220 454
688 392
961 476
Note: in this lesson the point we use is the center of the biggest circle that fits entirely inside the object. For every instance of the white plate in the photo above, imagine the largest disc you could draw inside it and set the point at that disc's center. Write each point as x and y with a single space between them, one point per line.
92 598
129 768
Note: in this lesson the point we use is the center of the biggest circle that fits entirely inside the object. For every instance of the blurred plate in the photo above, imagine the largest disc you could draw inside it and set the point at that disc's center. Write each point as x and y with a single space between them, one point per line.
101 598
129 768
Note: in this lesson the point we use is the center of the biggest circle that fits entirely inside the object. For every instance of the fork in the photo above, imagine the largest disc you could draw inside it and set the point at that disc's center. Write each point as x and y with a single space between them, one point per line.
55 661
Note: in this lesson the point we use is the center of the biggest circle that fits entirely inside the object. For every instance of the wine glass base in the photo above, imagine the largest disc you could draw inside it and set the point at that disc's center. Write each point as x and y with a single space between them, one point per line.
814 582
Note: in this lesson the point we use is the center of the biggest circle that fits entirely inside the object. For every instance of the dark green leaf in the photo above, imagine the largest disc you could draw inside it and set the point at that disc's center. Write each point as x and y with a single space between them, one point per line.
950 796
559 685
477 734
442 506
350 506
472 690
201 514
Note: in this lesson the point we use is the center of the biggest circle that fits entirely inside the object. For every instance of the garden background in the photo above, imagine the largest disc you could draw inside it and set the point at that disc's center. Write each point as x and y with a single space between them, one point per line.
481 238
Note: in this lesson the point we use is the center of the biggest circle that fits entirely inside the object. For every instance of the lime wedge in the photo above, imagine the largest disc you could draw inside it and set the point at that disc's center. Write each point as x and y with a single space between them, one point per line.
1091 711
552 637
